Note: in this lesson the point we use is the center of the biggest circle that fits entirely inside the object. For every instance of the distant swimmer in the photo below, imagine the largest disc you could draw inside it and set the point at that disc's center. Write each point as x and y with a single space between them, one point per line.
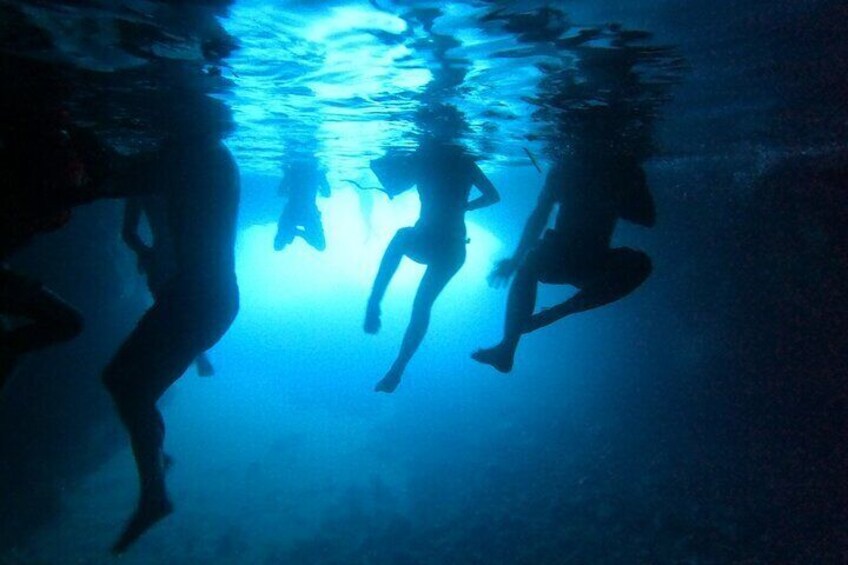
303 181
193 309
156 260
47 166
444 175
593 189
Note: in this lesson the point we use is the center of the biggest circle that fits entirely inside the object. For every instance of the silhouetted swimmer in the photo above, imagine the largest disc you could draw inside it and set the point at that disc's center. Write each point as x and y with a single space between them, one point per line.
198 179
303 181
49 319
444 175
155 260
593 190
47 166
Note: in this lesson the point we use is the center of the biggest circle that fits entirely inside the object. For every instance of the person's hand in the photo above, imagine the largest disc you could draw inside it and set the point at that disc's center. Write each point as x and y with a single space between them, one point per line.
502 272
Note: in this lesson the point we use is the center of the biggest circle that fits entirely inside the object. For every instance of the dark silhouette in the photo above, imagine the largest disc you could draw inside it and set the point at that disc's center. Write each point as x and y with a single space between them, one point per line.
593 190
155 260
444 175
49 319
48 166
302 182
198 179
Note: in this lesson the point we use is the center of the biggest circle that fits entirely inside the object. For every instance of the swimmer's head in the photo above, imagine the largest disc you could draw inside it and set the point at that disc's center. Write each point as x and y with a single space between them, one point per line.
441 122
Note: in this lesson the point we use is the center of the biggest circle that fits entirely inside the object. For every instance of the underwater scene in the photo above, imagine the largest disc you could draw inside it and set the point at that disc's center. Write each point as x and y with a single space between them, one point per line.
412 282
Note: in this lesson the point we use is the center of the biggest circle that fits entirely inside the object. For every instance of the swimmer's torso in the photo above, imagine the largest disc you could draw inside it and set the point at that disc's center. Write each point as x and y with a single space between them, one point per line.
444 179
587 192
203 194
301 182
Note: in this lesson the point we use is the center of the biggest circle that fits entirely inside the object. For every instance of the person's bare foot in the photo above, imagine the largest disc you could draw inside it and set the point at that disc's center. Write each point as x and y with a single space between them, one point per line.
388 383
498 357
149 512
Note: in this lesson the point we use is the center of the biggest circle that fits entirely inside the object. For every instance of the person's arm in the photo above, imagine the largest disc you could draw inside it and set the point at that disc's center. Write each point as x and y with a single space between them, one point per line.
129 232
488 193
535 224
533 228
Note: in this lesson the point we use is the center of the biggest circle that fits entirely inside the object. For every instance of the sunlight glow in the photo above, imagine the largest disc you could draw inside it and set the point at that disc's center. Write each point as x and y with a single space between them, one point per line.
348 266
345 18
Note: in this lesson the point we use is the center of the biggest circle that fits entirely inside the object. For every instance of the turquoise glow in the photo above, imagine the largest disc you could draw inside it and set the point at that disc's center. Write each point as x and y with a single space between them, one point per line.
348 265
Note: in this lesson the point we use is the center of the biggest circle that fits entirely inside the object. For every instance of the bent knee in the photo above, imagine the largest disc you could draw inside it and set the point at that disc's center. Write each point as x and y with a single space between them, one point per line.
642 266
534 266
634 265
402 236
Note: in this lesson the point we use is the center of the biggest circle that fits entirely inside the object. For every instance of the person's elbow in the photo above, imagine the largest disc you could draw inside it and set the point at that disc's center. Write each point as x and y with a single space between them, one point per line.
487 200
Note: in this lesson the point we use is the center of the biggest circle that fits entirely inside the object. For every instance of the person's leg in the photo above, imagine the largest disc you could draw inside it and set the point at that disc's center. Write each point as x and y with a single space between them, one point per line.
388 266
150 354
313 232
50 319
436 277
621 273
519 307
286 230
155 355
184 322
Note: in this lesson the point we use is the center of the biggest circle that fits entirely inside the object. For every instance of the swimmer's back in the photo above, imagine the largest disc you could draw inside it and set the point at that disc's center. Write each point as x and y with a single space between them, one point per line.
203 211
444 177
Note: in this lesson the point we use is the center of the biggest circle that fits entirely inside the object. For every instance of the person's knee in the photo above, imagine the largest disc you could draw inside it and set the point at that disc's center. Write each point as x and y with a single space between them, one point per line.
637 266
642 266
401 238
422 307
530 270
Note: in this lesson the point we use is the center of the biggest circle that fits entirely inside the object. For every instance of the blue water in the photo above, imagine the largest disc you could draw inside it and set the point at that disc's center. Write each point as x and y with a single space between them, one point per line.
632 434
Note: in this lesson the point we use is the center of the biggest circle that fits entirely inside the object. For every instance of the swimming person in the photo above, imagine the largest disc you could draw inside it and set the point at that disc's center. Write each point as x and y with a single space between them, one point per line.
198 179
155 260
592 189
444 175
302 182
48 166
